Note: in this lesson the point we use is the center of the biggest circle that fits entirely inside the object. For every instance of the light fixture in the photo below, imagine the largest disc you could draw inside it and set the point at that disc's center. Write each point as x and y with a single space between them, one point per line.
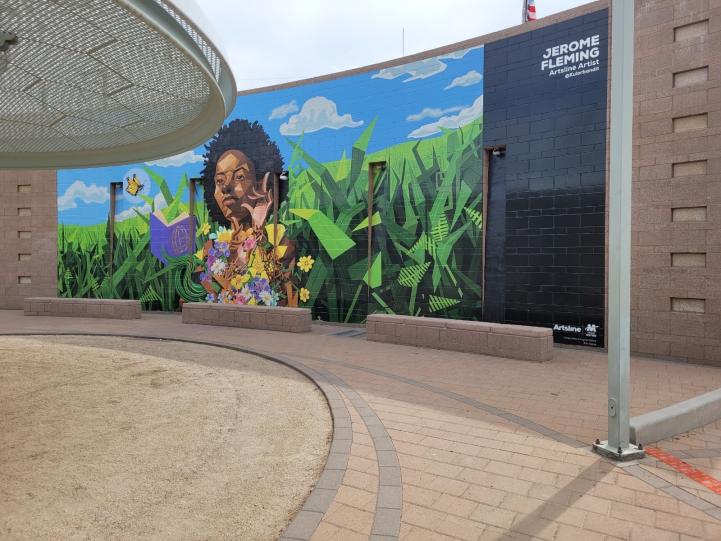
6 40
499 151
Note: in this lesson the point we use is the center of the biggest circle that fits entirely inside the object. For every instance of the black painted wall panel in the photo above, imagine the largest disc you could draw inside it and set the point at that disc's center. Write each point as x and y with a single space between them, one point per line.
545 250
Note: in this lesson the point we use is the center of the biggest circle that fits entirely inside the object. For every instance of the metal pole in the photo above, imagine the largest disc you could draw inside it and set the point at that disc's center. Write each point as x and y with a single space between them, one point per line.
618 445
191 211
113 203
524 15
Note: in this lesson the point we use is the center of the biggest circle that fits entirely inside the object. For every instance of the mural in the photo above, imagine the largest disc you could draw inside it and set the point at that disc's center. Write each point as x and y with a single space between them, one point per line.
382 211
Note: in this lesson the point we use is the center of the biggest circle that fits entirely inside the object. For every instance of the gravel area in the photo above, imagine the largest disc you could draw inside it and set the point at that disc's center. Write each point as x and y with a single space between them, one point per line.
114 438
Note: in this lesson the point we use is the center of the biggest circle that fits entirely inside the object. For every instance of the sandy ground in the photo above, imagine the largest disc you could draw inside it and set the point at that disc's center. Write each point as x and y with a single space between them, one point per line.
110 438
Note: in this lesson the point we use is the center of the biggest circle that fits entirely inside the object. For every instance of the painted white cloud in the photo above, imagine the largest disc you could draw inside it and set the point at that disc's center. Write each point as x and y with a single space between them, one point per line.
465 116
470 78
421 69
316 114
79 191
284 110
179 159
457 55
142 209
431 112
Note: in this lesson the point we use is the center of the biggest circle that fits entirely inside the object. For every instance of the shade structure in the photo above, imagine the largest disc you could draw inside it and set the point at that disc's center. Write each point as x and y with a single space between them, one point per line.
99 82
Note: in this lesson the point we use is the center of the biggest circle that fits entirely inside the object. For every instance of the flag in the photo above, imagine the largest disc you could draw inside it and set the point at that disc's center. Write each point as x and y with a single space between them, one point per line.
530 10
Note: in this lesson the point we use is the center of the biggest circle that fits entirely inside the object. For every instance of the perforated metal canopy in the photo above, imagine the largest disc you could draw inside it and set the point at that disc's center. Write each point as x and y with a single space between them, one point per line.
97 82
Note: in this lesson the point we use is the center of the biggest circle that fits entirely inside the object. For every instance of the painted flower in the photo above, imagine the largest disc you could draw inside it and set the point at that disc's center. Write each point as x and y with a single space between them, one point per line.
266 298
203 276
210 297
225 235
272 235
223 248
205 228
249 244
239 280
256 267
218 266
306 263
304 294
259 285
243 296
200 254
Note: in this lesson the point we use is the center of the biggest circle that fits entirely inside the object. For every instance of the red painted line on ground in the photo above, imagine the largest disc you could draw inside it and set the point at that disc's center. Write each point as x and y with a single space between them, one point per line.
685 468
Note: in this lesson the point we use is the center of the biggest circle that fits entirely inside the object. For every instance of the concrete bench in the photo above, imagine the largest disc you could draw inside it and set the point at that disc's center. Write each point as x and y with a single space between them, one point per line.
513 341
91 308
676 419
268 318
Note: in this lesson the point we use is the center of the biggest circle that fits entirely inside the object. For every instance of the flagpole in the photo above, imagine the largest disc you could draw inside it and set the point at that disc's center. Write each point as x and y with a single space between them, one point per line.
524 14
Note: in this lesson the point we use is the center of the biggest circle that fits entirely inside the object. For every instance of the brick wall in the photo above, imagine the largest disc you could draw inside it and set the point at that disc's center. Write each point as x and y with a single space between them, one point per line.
28 236
676 281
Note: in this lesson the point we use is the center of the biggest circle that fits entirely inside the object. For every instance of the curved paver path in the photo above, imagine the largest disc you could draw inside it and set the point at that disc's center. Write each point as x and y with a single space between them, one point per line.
487 448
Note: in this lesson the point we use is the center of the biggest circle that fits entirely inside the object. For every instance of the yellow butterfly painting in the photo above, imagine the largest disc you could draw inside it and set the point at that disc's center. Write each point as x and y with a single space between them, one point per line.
134 187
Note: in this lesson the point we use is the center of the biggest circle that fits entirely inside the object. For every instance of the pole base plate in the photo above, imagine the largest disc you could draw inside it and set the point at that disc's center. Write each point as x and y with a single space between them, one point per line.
632 452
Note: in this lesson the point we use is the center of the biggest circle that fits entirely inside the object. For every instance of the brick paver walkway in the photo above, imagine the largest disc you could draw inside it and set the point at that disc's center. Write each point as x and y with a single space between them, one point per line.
440 445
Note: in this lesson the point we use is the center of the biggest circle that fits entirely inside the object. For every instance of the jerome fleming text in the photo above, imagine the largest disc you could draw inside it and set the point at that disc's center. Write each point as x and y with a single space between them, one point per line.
571 53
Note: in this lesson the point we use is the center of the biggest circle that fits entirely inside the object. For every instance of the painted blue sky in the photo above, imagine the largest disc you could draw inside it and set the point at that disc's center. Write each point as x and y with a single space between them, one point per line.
411 102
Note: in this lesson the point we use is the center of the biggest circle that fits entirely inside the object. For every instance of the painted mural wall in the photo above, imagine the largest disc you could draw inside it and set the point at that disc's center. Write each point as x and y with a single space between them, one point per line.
420 123
383 210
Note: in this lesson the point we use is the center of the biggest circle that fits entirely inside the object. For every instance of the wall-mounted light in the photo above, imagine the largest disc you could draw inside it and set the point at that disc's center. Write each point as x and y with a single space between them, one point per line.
499 152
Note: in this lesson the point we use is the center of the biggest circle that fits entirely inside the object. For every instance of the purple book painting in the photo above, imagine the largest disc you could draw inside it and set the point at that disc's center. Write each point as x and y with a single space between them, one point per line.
171 239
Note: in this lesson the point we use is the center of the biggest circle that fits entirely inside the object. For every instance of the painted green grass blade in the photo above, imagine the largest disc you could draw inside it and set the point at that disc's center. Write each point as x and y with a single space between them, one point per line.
162 185
359 151
335 241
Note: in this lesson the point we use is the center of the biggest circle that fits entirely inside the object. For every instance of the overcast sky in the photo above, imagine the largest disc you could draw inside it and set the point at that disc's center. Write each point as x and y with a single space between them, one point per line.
274 41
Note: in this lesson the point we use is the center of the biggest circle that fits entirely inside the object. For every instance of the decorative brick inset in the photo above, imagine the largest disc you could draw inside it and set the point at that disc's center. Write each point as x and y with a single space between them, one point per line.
688 169
690 31
690 123
512 341
90 308
268 318
694 306
692 77
688 214
688 259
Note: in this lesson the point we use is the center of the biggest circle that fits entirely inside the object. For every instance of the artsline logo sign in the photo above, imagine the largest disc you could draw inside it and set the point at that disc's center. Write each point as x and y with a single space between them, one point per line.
579 57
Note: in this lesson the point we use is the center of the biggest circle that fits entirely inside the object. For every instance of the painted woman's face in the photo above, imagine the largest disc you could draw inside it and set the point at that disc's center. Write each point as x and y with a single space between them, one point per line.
234 177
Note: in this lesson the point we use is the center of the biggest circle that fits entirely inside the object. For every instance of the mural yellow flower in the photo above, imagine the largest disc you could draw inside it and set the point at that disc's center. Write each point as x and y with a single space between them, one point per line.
225 235
239 280
306 263
256 267
205 228
304 294
200 254
269 232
